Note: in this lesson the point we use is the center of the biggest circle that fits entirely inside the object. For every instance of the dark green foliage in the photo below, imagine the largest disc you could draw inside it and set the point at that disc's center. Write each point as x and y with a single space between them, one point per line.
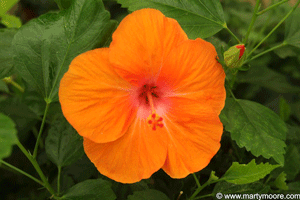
44 47
63 145
6 53
260 146
198 18
255 127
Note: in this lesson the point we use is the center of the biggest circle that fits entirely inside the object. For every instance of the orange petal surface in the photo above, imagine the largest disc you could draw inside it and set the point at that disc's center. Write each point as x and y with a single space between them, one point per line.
194 132
135 156
141 43
192 70
92 95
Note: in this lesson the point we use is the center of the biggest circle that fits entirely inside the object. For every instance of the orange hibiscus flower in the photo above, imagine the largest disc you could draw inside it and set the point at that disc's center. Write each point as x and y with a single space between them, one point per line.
149 101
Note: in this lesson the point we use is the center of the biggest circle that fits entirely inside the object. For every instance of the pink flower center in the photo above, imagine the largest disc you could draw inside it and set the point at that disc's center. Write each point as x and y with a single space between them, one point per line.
148 93
151 102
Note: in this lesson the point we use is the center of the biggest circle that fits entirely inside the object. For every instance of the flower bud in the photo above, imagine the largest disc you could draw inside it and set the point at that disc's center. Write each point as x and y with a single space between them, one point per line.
234 56
213 176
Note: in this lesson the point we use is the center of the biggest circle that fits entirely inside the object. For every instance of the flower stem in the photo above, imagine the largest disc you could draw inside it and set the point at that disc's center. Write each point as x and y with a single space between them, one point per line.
36 133
261 32
196 180
232 95
58 180
37 168
202 187
266 51
233 35
272 7
285 17
9 80
41 129
204 196
21 172
254 16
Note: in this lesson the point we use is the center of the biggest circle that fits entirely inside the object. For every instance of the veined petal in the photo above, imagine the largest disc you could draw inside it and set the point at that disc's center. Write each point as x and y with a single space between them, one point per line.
141 43
192 70
194 131
136 155
94 99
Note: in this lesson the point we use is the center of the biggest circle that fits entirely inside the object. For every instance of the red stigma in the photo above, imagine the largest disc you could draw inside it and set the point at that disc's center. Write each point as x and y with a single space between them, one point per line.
155 120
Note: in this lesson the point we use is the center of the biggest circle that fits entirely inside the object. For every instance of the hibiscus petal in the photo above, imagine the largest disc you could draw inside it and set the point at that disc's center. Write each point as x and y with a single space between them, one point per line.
94 99
194 131
192 70
135 156
141 43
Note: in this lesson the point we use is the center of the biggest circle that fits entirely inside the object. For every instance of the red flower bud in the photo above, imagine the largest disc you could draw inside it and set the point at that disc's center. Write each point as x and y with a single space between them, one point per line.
242 49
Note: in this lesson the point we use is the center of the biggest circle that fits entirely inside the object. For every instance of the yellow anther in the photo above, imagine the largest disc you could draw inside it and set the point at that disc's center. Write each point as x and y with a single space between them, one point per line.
154 119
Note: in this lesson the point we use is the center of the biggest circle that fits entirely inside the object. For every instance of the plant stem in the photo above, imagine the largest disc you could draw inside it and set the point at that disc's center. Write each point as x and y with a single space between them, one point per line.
36 133
232 94
272 7
9 80
58 180
231 33
37 168
41 130
261 32
237 152
266 51
254 16
268 179
21 172
196 179
285 17
204 196
202 187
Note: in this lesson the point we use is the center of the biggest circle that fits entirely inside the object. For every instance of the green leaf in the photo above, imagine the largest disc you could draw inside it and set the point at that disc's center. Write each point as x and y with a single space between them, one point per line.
8 136
6 5
280 182
90 190
148 194
284 109
198 18
292 162
243 174
11 21
213 176
287 51
63 144
64 4
139 186
19 112
230 188
292 29
6 54
255 127
44 47
81 170
268 78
